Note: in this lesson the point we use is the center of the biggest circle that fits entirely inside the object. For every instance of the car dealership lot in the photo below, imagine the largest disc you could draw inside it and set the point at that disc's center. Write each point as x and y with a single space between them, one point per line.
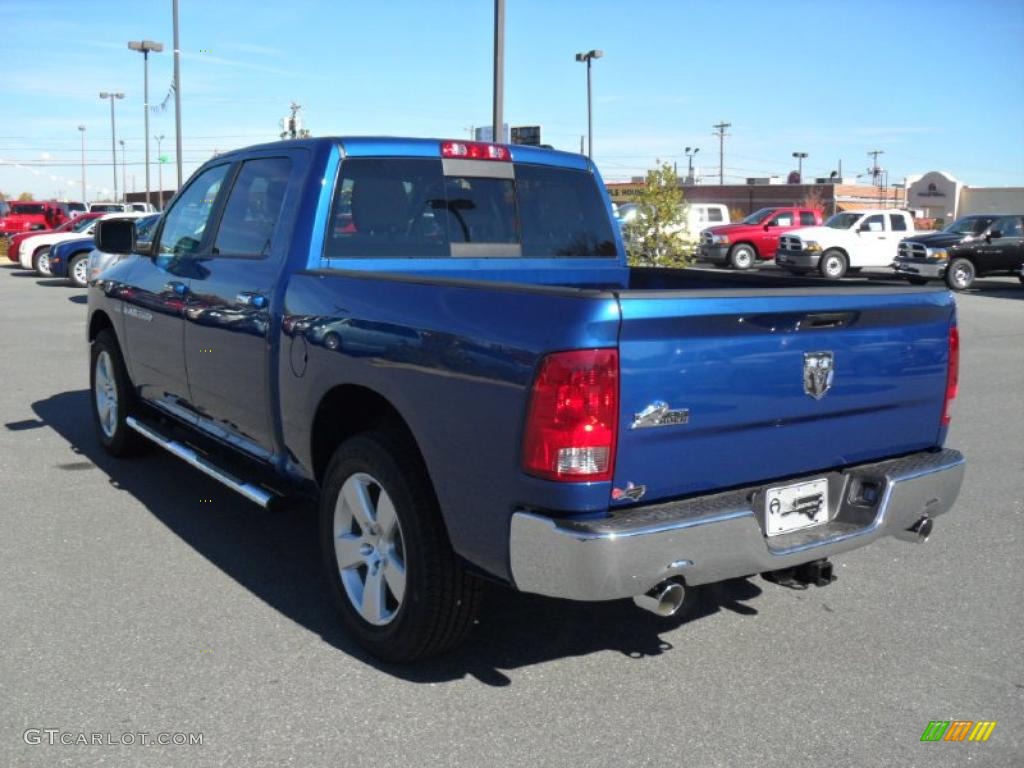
156 601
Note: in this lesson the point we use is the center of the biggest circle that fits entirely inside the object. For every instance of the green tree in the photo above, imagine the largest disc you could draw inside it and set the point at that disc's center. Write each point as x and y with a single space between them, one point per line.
656 237
25 196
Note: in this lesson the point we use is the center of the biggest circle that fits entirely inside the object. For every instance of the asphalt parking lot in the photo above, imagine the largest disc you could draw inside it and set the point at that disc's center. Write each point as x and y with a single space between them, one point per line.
142 597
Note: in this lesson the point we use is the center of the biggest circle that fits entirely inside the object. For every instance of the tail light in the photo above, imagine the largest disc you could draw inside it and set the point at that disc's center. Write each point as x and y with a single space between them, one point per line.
952 375
474 150
573 418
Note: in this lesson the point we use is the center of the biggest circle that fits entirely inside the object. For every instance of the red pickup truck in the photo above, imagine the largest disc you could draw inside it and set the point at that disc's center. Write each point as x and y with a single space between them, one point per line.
740 245
28 215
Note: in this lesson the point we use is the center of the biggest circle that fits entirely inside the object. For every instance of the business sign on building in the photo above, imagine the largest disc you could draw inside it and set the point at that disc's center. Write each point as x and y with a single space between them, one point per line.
624 192
526 134
937 194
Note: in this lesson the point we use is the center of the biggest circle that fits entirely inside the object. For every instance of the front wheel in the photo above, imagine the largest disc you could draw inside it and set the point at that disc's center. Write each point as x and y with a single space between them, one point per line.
400 589
742 257
41 262
78 270
833 264
960 274
112 399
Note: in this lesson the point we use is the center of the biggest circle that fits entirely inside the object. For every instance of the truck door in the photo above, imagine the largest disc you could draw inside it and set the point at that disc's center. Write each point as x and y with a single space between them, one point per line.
875 243
155 297
777 225
1005 252
227 321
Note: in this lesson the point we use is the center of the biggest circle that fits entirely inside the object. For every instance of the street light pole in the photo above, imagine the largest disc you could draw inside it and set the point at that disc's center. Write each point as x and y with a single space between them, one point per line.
690 152
145 46
588 57
497 116
800 164
177 94
81 129
112 95
124 174
159 173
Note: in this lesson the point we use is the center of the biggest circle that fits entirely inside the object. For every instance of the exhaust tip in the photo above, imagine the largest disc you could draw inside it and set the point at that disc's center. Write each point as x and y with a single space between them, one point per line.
919 531
664 600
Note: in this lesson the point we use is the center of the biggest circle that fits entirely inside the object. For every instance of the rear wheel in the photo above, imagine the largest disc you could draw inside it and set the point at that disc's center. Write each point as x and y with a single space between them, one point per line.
742 256
400 589
833 264
960 274
78 270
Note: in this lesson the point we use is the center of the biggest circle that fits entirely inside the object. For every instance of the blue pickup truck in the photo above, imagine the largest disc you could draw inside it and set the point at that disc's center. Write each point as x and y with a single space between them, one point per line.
442 343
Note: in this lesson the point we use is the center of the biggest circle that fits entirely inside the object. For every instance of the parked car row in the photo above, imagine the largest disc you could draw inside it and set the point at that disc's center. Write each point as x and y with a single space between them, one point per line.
800 243
69 251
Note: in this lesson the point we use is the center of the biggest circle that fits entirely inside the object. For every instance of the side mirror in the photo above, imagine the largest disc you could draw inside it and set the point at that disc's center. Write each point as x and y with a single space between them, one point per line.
115 236
993 233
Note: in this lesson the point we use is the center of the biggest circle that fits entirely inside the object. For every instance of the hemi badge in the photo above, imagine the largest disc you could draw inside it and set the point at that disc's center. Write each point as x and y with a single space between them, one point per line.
658 414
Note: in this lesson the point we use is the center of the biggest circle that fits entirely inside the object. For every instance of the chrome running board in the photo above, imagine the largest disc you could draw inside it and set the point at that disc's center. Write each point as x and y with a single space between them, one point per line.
252 492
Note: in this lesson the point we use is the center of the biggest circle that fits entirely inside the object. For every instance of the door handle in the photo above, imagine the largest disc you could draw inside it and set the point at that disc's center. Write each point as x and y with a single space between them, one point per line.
250 299
176 287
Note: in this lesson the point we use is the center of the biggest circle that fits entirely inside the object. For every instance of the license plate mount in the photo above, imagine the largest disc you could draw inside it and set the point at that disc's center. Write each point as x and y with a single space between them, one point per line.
794 507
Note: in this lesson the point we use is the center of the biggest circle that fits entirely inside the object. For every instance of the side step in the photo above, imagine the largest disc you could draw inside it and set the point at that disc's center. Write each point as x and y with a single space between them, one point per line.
252 492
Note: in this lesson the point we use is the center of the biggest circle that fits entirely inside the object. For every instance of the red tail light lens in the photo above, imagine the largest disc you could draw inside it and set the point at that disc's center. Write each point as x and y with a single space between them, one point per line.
952 375
474 150
573 418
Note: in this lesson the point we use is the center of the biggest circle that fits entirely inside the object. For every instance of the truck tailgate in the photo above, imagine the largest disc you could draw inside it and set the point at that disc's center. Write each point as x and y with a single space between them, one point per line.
736 365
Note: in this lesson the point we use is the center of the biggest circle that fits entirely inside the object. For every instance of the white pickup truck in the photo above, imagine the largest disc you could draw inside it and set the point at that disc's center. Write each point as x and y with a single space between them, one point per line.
846 241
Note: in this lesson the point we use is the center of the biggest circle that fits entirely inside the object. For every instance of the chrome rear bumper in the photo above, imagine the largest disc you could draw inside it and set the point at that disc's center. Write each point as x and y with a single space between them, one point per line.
721 536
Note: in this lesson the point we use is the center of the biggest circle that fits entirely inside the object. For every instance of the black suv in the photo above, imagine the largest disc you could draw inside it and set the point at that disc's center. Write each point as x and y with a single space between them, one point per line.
972 246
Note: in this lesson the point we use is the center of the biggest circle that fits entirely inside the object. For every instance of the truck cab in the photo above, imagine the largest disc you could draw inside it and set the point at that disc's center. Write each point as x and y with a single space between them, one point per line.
851 240
743 244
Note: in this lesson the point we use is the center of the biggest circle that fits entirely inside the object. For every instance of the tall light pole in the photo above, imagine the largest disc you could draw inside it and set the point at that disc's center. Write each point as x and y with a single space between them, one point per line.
144 47
81 130
800 164
690 152
159 173
124 174
113 132
177 94
721 134
497 116
588 57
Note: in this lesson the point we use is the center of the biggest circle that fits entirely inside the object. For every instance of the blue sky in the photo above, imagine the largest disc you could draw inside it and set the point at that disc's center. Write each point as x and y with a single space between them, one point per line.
936 85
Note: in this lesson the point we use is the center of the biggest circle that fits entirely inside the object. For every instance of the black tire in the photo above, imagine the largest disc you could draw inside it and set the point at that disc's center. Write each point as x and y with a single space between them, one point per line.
35 260
833 264
1021 277
75 261
742 256
917 280
440 598
117 439
960 274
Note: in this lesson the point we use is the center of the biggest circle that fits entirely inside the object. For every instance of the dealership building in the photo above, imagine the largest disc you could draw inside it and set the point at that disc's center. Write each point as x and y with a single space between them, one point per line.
932 195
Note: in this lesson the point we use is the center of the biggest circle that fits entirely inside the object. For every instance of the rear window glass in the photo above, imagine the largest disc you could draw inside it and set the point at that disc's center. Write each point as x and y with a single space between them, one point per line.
897 223
29 208
408 208
807 219
714 214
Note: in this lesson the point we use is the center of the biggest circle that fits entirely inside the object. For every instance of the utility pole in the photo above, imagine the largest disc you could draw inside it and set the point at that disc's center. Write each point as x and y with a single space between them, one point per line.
800 156
875 171
159 173
721 134
113 95
124 174
177 92
588 57
81 130
497 116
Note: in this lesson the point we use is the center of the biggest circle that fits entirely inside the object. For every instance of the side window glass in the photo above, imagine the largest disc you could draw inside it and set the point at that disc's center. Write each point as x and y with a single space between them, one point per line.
897 223
253 207
187 218
714 214
783 220
807 219
874 223
1008 227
